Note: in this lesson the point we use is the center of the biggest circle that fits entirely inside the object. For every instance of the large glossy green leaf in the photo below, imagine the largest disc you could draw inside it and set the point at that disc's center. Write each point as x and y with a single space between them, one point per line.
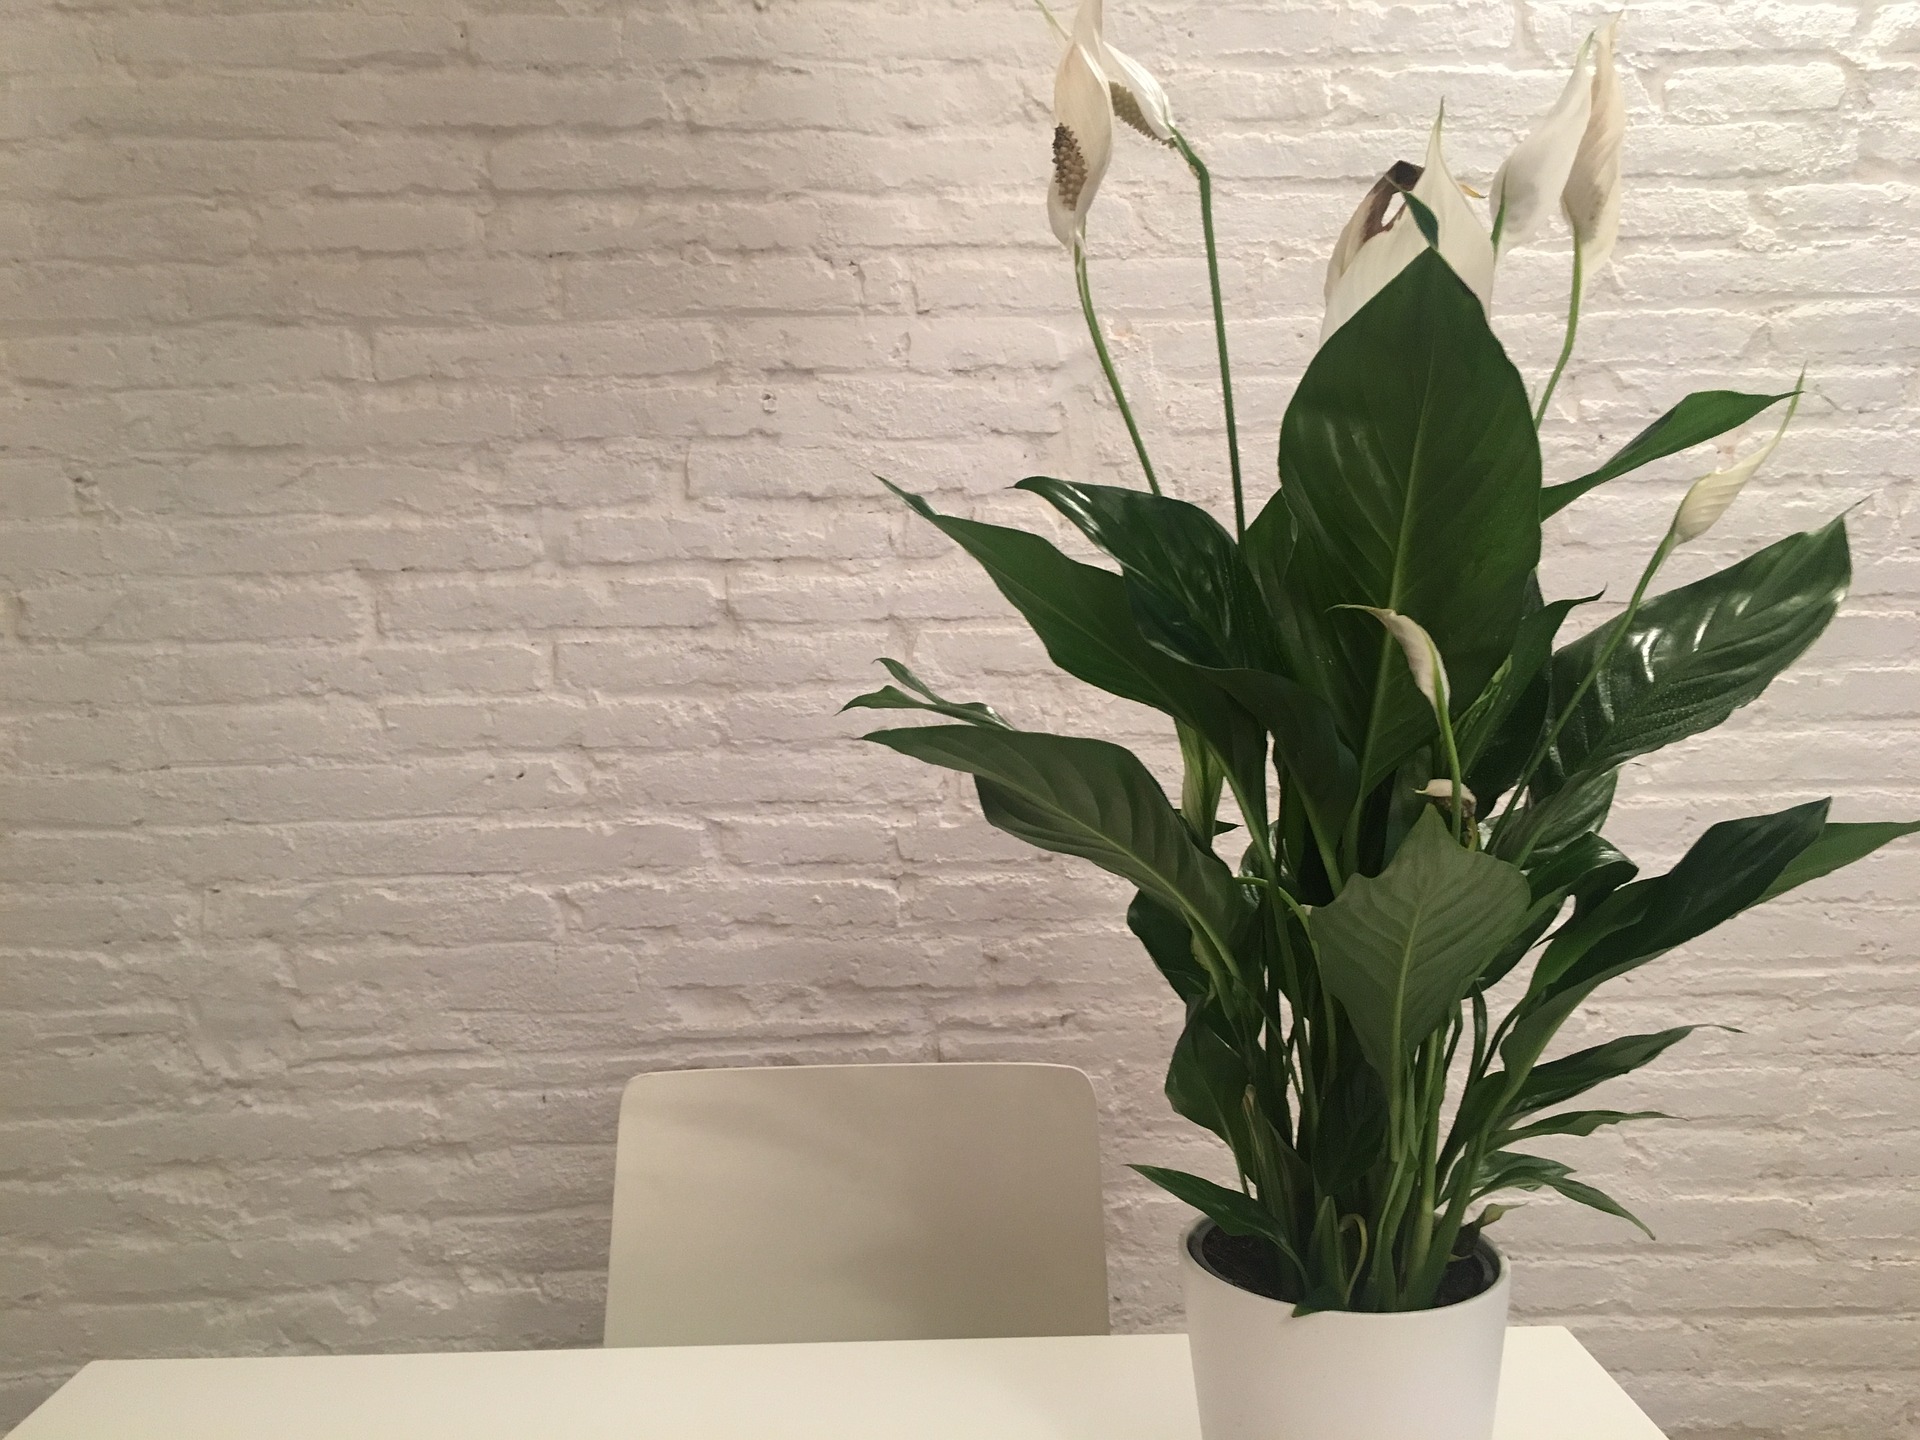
1191 593
1091 799
1695 420
1838 846
1207 1080
1553 821
1696 654
1305 740
1084 616
1576 1122
1409 461
918 695
1399 950
1588 868
1726 871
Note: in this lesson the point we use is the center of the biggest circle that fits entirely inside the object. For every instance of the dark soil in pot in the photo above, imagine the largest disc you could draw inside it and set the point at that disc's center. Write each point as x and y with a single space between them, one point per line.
1250 1263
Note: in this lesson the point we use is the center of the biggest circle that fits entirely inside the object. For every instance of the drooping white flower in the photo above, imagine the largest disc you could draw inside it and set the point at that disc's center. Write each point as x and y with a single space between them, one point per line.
1423 656
1442 789
1464 244
1591 198
1082 129
1709 496
1369 219
1528 187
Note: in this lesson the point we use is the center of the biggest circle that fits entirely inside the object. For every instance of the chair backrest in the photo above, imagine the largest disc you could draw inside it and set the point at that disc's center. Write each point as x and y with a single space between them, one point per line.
856 1202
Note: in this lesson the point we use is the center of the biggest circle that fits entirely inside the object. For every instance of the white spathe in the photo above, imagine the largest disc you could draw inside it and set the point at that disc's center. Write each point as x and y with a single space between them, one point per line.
1464 244
1708 497
1592 195
1260 1372
1529 185
1423 656
1082 130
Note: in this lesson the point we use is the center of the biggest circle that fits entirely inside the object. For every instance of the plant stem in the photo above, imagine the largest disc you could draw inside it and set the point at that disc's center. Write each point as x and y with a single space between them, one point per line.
1106 364
1453 767
1573 329
1620 626
1204 179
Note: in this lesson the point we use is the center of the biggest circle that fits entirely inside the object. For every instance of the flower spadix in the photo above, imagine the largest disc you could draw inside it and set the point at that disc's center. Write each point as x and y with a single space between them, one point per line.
1394 244
1082 129
1709 496
1528 187
1591 197
1429 671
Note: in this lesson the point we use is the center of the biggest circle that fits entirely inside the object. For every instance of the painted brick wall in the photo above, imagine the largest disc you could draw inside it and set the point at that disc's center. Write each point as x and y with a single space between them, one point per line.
437 526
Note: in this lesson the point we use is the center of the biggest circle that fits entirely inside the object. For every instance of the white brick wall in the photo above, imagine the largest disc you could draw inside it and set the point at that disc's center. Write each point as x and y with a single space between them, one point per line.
436 529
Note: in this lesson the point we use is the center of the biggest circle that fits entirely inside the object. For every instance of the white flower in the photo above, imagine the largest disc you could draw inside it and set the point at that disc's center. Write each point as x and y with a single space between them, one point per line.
1592 195
1138 98
1082 129
1423 656
1709 496
1464 244
1529 185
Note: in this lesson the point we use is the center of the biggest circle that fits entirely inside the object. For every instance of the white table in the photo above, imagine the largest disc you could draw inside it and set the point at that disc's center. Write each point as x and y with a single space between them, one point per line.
1094 1387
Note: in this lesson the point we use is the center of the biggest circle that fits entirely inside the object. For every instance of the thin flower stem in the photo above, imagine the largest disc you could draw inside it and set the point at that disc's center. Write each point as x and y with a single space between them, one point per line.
1204 179
1106 364
1573 329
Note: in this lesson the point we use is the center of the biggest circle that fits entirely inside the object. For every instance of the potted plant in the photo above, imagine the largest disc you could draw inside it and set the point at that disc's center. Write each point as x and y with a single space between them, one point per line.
1383 888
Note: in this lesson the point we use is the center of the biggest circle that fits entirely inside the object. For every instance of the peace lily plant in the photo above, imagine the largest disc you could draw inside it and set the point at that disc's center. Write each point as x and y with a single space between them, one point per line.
1395 772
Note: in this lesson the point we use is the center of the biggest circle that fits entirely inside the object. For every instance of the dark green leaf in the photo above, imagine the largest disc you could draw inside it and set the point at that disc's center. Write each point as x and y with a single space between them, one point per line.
1496 704
1091 799
1401 949
1560 1080
1233 1212
1316 762
923 698
1207 1080
1577 1122
1169 943
1267 549
1083 616
1549 823
1411 467
1587 868
1839 845
1504 1170
1696 419
1190 592
1696 654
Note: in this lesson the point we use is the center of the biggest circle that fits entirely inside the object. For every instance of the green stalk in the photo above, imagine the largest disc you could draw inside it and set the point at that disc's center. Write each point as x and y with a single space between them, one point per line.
1573 329
1204 179
1106 364
1453 767
1620 627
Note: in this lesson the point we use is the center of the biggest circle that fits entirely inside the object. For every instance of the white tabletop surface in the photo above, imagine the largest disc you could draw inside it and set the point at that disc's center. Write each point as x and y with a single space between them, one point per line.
1091 1387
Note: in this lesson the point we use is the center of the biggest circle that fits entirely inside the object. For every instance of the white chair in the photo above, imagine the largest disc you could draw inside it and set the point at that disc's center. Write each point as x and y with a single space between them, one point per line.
856 1202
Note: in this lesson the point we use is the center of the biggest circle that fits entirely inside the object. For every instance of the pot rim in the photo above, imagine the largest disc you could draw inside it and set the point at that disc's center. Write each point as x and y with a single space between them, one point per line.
1494 1294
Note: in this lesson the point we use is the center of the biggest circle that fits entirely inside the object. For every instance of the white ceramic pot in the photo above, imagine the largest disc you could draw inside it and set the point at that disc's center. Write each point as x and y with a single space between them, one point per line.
1261 1373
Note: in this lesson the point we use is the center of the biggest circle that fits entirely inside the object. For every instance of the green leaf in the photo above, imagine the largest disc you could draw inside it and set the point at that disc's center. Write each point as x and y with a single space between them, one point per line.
1552 822
1411 467
1207 1080
1233 1212
1560 1080
1696 419
1401 949
1190 592
1490 713
1168 941
1323 769
1577 1122
923 698
1587 868
1083 616
1696 654
1267 550
1839 845
1091 799
1504 1170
